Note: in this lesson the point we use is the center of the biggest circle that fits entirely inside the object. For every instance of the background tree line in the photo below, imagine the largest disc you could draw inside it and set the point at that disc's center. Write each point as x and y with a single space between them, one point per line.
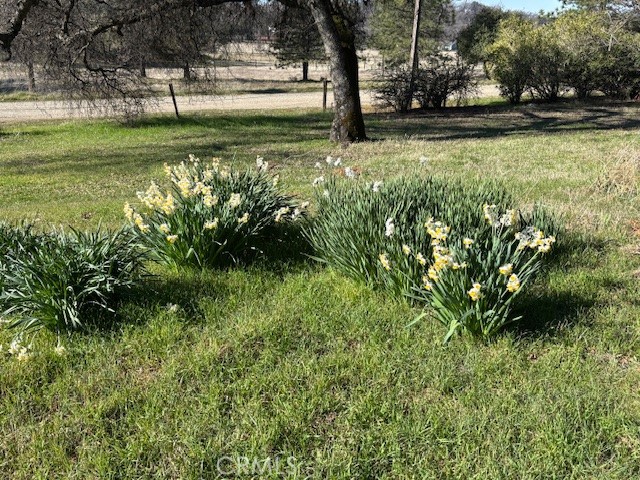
583 51
592 47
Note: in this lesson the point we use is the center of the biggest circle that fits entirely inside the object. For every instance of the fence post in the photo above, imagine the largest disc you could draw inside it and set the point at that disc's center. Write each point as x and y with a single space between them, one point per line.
325 84
173 97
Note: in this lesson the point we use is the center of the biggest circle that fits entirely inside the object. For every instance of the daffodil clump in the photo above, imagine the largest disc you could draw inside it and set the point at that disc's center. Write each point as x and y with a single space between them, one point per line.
212 215
372 229
472 283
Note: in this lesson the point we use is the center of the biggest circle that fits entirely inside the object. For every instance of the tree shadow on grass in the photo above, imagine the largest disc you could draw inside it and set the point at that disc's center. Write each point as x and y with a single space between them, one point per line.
286 253
265 90
499 121
223 120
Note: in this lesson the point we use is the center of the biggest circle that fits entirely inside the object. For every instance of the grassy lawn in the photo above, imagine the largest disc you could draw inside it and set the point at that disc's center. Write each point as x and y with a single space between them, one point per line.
291 362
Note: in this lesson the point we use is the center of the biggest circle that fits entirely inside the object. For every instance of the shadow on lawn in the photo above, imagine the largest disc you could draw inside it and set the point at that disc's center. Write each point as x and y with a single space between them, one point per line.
172 140
543 311
499 121
297 126
545 314
244 134
446 124
188 287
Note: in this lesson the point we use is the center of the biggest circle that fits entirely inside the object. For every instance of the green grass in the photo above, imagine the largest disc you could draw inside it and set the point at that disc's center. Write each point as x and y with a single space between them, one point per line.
289 359
20 96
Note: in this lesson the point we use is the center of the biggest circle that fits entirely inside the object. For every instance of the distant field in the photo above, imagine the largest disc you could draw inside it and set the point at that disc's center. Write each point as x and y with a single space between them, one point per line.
241 68
291 360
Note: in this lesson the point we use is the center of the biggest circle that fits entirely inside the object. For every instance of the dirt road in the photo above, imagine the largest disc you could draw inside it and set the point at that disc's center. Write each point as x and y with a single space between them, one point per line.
24 111
55 110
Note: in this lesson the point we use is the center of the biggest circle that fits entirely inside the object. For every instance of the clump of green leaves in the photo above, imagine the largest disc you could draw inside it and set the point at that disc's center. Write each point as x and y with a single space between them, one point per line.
580 50
213 216
356 223
384 234
50 280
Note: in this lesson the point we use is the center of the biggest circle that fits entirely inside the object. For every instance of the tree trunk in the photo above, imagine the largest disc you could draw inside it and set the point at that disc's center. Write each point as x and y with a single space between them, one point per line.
32 77
11 24
339 44
305 71
186 72
143 69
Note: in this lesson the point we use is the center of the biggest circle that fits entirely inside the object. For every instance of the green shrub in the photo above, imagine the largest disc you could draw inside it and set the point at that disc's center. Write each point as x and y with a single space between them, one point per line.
582 35
512 56
548 64
580 50
51 280
619 75
213 216
472 283
527 57
357 223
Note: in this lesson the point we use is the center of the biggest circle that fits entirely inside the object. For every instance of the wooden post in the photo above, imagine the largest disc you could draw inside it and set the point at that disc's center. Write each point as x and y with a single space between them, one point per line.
413 56
32 76
325 84
173 97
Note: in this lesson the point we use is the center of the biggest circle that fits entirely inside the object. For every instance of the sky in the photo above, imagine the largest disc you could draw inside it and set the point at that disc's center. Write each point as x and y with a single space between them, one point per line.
533 6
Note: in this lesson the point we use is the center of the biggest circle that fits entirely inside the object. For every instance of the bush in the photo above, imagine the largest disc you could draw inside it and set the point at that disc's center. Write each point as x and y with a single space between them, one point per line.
583 51
51 280
393 88
439 78
619 76
547 73
599 54
442 77
377 233
472 283
511 57
357 225
582 36
526 57
213 216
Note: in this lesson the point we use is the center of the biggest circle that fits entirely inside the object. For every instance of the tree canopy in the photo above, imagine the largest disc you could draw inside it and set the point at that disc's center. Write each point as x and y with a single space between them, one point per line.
474 39
391 26
296 39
